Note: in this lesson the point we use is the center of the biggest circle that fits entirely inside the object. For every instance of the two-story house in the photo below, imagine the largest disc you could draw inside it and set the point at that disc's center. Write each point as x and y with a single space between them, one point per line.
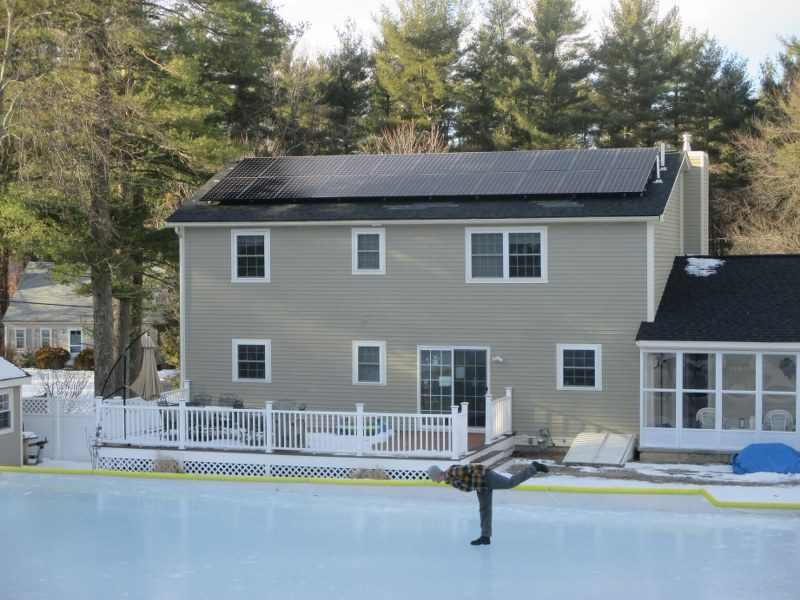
415 282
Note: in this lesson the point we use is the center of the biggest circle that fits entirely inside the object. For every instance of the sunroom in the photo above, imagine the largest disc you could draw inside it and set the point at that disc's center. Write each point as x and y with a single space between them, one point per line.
719 364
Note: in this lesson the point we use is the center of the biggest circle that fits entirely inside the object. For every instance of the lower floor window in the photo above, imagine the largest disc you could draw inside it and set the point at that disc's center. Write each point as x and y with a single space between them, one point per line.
251 360
5 411
579 367
46 338
369 363
20 339
75 341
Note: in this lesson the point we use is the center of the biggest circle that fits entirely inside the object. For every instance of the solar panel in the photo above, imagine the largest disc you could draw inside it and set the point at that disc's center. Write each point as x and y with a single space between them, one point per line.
229 188
544 172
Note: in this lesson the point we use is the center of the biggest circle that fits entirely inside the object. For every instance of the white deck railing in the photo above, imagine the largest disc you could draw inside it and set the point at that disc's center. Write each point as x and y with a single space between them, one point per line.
498 416
355 433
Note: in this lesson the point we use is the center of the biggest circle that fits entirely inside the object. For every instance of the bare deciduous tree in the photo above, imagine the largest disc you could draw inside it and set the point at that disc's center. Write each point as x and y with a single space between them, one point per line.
406 138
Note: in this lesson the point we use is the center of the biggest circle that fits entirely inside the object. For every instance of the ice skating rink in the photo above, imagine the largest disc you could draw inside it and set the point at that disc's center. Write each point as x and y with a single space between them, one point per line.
106 537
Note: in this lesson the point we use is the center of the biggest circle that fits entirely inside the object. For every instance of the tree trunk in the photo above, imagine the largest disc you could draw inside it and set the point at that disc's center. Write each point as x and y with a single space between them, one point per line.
100 192
137 319
5 291
124 332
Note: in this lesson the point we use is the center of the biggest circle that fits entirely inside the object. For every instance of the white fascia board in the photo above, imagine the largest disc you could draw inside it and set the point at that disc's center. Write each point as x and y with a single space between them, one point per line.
9 383
366 223
713 346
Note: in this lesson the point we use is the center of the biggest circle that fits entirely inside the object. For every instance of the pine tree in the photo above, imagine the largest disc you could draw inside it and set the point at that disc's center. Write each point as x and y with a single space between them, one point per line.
549 99
485 76
779 77
635 61
345 91
416 52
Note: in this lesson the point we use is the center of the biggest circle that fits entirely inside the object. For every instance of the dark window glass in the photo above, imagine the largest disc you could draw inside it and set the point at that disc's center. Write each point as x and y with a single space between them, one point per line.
5 411
487 255
252 359
579 368
369 251
369 364
524 255
250 257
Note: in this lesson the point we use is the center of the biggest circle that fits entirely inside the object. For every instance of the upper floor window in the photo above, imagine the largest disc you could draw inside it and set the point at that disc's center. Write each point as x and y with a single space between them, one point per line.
251 360
369 251
516 254
20 339
250 256
5 411
369 363
579 367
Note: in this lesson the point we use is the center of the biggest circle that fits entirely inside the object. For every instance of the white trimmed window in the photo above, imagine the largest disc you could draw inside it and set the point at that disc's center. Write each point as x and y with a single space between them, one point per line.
369 251
511 254
75 341
252 360
47 338
19 337
5 411
579 367
369 363
250 256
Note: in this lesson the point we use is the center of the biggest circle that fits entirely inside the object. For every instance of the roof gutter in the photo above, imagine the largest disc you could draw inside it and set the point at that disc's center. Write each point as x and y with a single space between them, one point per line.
381 222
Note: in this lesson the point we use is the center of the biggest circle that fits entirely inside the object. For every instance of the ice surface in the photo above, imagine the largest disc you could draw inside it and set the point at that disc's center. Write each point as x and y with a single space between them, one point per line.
98 537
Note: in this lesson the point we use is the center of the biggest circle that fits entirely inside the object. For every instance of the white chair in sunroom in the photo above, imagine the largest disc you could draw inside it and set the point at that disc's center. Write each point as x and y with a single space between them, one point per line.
707 417
778 420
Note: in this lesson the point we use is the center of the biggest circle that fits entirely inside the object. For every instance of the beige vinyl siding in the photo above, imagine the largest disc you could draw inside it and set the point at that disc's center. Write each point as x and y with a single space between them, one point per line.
11 441
314 308
667 243
695 210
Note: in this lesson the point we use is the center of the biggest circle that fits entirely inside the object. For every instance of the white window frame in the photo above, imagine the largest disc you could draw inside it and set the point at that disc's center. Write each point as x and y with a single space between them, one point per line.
267 360
235 233
598 367
370 344
10 411
542 231
381 232
49 335
69 340
16 339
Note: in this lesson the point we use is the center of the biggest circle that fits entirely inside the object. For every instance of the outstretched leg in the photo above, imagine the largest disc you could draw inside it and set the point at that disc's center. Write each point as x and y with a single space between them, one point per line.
495 481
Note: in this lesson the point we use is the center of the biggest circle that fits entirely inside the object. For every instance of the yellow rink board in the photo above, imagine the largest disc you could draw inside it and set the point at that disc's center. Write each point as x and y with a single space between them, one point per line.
553 489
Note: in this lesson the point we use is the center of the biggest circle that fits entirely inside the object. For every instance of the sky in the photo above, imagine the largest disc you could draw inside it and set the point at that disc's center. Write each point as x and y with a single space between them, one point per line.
748 27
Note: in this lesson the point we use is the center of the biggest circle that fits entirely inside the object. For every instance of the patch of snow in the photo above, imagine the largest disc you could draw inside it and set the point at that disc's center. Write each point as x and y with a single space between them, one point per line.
703 267
164 373
35 387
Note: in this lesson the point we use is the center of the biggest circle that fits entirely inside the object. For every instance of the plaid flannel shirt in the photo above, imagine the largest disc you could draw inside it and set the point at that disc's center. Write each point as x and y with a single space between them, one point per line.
467 478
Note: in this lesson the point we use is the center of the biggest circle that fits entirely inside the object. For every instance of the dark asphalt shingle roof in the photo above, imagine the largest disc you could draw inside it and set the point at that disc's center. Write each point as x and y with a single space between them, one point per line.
747 299
650 203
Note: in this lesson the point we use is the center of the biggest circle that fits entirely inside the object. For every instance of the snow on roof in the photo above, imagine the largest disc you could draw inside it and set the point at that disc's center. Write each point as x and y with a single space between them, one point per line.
9 371
703 267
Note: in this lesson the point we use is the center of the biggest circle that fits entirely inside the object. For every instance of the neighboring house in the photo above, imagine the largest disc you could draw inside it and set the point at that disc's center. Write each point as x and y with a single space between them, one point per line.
11 378
414 282
45 313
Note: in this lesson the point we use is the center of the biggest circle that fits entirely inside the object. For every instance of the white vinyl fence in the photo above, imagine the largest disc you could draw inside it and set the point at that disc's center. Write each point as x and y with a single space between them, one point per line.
67 423
355 433
498 416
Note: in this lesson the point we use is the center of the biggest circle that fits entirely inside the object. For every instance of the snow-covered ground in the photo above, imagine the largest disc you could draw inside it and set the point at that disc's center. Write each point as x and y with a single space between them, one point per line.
80 381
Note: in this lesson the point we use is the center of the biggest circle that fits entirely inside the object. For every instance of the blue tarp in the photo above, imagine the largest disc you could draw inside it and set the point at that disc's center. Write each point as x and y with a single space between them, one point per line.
770 458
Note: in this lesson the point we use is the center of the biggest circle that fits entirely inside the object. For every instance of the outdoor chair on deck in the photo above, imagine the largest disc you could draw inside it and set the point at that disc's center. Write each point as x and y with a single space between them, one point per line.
778 420
169 419
707 417
200 400
230 401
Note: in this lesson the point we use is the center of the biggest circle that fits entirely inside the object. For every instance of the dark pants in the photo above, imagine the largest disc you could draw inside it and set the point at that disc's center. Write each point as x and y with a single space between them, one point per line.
495 481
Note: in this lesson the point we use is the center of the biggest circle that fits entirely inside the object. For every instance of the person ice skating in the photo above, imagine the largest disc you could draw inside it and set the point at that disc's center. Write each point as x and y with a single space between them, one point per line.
483 481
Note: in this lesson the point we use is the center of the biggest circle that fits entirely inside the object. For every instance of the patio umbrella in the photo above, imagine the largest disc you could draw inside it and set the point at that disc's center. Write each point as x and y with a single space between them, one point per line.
147 384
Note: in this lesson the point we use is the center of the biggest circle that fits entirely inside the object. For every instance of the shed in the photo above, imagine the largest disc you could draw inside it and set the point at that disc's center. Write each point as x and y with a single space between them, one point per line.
11 380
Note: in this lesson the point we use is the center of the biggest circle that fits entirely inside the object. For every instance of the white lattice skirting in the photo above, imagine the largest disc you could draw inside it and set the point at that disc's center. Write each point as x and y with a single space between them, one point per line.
196 467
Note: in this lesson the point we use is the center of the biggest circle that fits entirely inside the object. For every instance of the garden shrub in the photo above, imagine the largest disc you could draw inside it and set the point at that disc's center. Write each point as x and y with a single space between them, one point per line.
84 361
48 357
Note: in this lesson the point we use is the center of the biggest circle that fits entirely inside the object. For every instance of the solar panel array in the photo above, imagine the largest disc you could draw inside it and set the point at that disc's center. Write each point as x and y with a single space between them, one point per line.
479 174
